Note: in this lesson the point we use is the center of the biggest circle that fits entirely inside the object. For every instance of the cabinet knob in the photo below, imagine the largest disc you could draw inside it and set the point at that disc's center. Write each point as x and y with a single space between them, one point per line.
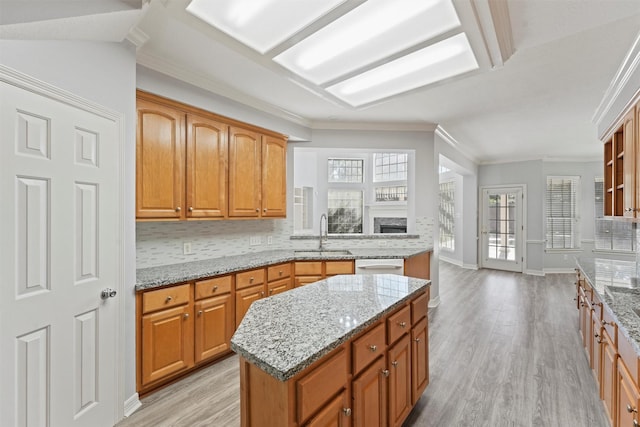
347 412
604 322
270 291
394 363
169 298
257 209
628 209
250 279
385 372
215 288
630 409
373 347
186 315
178 209
190 208
417 340
262 293
280 272
635 423
402 324
199 312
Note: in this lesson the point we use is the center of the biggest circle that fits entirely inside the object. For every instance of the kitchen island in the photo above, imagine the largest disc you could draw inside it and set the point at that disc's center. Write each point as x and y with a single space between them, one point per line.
351 348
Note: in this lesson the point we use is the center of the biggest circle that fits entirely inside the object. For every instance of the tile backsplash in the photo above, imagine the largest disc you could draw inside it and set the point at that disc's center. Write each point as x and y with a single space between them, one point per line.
162 243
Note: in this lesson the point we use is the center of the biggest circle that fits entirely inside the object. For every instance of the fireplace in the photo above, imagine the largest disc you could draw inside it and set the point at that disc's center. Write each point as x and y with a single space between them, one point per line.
384 225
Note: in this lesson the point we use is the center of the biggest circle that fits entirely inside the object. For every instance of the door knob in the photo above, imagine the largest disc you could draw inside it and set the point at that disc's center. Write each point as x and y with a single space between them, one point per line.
108 293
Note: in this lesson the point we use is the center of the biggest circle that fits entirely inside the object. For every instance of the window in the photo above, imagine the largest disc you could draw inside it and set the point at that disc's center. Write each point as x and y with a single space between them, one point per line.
610 235
302 209
344 211
447 215
391 194
563 219
390 167
345 170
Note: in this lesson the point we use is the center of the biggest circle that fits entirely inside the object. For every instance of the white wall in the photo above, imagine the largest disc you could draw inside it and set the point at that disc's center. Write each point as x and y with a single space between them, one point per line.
455 256
104 73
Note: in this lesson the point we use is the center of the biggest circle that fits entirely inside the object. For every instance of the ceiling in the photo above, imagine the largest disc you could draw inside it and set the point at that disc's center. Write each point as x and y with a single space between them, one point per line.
534 99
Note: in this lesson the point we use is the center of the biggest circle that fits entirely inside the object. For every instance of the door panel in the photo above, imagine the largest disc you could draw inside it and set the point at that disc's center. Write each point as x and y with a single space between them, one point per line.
245 157
59 230
502 228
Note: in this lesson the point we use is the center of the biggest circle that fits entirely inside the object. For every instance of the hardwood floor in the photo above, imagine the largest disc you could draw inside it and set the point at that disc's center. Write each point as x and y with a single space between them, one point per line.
504 351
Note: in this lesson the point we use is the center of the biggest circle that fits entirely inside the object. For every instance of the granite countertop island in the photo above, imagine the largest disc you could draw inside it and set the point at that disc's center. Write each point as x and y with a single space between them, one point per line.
151 277
617 284
286 333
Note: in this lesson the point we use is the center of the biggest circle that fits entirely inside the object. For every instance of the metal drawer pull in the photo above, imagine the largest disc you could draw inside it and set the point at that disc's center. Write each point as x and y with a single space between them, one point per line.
385 372
635 423
190 208
347 412
169 298
373 347
402 324
630 409
604 322
199 312
394 363
178 209
251 279
186 315
417 340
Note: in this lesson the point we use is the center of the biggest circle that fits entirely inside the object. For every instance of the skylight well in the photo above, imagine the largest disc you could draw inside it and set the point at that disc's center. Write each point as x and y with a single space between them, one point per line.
377 49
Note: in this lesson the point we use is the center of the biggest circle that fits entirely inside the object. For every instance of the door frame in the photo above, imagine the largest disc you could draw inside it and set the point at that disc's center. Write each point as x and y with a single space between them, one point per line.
23 81
523 243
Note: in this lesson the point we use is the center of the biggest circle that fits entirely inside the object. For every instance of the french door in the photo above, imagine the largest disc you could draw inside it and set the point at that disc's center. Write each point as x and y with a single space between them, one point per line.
501 230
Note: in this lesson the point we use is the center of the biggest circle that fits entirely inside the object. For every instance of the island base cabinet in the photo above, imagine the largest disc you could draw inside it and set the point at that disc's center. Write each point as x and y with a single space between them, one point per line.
628 398
399 358
167 343
335 414
369 396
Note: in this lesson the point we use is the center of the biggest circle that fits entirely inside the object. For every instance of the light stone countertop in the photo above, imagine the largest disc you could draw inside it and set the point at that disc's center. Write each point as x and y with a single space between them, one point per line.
286 333
616 282
152 277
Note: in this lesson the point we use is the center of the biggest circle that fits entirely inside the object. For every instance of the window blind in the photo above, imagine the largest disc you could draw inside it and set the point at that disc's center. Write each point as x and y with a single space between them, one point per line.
562 212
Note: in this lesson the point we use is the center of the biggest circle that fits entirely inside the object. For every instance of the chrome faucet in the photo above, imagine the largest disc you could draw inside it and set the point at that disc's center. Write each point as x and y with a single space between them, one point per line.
326 230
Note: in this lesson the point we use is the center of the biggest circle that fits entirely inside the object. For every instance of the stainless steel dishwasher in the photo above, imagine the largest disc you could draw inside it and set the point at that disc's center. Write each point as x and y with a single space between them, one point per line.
380 266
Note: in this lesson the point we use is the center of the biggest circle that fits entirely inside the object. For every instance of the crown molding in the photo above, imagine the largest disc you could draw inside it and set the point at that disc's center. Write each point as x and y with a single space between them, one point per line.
495 25
446 136
625 85
178 72
381 126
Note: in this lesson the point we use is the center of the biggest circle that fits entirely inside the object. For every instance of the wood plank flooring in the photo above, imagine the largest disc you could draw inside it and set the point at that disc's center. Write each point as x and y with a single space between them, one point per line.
504 351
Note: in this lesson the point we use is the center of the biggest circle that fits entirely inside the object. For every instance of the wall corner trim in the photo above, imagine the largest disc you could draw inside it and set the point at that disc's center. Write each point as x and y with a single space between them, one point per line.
434 302
132 404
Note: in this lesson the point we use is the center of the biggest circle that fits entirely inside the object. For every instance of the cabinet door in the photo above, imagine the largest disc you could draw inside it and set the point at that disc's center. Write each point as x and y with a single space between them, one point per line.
609 367
370 396
244 172
274 177
244 298
213 327
596 361
305 280
206 168
628 398
399 358
335 414
629 166
419 360
279 286
159 162
167 343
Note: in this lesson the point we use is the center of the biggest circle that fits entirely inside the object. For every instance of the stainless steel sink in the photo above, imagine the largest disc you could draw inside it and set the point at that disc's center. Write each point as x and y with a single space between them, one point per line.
321 253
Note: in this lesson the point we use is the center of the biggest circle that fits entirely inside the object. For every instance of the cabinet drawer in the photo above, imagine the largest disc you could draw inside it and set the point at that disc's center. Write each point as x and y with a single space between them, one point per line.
610 326
307 268
419 308
279 286
317 387
250 278
277 272
213 287
367 348
338 267
165 298
398 324
629 357
305 280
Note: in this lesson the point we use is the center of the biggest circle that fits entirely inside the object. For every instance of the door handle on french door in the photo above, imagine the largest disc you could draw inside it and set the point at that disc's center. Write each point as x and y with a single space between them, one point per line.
108 293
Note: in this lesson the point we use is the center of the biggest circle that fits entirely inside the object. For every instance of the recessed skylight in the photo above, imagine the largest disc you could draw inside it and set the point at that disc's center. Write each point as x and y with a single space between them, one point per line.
368 33
260 24
440 61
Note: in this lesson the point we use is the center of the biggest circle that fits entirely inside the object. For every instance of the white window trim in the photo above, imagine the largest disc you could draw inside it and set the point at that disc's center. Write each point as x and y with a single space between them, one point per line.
576 218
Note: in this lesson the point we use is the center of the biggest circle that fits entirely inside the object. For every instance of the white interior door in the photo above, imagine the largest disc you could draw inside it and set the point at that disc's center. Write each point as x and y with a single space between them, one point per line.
501 230
59 231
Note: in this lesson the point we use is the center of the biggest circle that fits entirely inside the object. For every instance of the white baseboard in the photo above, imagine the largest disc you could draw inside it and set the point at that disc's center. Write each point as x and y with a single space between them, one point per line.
450 260
534 272
559 270
132 404
470 266
434 302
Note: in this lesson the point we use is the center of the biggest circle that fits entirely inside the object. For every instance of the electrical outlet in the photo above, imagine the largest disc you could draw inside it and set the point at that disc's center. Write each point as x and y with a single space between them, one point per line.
270 240
186 248
254 240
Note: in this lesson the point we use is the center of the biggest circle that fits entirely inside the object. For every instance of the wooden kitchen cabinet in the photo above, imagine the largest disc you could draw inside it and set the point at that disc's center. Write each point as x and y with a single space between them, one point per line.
335 414
609 375
279 279
628 397
159 161
399 366
418 266
193 164
419 360
244 299
206 168
630 204
333 268
214 326
369 396
312 271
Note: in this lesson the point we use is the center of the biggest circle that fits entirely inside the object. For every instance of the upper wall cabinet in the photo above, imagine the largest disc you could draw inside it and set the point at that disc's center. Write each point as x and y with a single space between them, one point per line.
622 169
192 164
